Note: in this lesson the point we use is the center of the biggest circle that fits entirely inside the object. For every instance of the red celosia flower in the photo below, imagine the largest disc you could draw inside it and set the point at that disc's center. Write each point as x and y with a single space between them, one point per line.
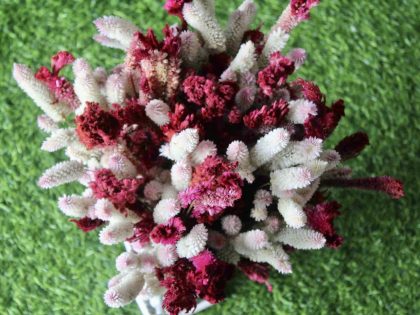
308 90
321 217
389 185
211 276
59 86
121 192
352 145
96 127
257 272
60 60
174 7
142 229
214 187
275 74
87 224
269 116
179 120
178 280
168 233
322 125
214 97
300 8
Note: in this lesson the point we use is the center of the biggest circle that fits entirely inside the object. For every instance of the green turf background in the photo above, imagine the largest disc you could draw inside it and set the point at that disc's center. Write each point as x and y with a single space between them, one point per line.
365 51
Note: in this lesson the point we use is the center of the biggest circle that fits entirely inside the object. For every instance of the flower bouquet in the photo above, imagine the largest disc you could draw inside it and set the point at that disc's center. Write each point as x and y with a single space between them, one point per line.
197 151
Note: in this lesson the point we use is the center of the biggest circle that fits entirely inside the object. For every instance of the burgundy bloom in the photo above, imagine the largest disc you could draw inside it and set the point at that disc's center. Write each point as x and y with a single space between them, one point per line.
60 60
142 229
386 184
87 224
352 145
308 90
275 74
211 276
257 272
323 124
178 280
96 127
168 234
321 218
174 7
179 120
121 192
257 37
214 187
267 116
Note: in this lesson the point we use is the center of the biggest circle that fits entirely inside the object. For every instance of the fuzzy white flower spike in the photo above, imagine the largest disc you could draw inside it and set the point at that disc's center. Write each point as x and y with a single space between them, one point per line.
194 243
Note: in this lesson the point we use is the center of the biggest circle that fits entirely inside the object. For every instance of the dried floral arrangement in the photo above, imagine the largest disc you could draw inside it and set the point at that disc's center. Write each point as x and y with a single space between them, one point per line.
197 152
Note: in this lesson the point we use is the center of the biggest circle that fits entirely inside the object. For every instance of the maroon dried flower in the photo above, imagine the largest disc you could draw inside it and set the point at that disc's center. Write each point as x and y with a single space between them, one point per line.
321 217
322 125
178 280
257 272
121 192
352 145
387 184
96 127
275 74
87 224
267 116
168 234
300 8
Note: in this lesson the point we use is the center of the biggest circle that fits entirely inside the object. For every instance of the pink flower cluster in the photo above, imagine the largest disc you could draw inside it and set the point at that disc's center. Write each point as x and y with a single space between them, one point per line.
198 151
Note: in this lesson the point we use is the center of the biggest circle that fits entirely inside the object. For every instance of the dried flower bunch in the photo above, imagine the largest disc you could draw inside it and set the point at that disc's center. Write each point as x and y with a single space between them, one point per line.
197 151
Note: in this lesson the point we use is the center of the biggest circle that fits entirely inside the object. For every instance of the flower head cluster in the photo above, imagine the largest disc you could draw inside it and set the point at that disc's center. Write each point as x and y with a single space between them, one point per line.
197 151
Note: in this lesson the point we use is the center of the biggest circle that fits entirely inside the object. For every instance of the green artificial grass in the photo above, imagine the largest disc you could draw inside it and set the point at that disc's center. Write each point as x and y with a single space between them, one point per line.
365 51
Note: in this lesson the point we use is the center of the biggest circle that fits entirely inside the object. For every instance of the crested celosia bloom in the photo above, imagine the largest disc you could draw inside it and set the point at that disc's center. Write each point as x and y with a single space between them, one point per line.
198 151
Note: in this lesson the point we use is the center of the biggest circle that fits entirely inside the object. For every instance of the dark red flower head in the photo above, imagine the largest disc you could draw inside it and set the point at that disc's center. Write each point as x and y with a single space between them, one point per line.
96 127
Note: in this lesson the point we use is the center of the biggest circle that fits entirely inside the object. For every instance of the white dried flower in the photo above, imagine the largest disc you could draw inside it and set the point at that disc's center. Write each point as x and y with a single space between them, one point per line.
61 173
117 88
276 41
300 110
116 232
108 42
74 205
157 111
85 85
165 210
77 151
125 290
119 164
243 62
298 152
259 214
272 224
127 260
252 240
301 238
202 151
116 29
239 22
237 151
194 243
166 255
200 15
231 224
183 143
292 213
38 92
58 139
316 167
181 174
269 146
192 52
46 124
289 178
